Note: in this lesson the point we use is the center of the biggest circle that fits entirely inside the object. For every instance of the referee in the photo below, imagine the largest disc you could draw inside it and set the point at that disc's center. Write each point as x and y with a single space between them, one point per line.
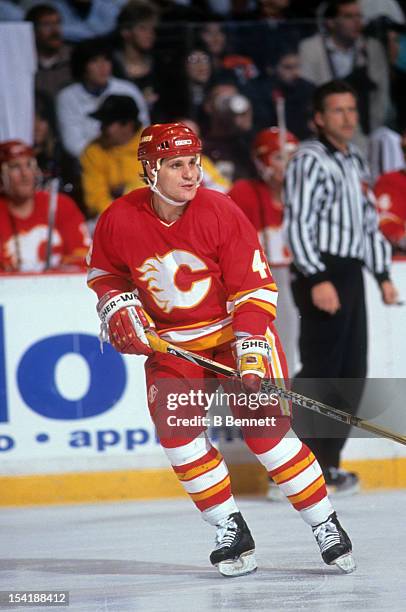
332 227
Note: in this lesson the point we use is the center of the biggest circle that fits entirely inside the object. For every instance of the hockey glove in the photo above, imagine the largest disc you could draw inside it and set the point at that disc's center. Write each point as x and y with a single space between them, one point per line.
123 321
253 356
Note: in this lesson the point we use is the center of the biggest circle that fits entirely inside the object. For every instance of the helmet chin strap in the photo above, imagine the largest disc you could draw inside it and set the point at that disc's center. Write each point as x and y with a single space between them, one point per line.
153 184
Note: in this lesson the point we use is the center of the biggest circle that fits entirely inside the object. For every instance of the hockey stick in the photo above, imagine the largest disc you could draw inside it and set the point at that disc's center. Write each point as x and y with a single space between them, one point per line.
279 100
53 200
161 346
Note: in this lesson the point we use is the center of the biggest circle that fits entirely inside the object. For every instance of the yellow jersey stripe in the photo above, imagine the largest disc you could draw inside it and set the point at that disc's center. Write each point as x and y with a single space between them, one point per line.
263 305
236 296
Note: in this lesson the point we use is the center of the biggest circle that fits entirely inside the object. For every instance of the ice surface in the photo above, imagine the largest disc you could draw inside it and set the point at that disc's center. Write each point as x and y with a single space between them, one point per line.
153 557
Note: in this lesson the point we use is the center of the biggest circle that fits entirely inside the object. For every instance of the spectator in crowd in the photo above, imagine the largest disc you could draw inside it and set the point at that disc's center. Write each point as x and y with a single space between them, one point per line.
262 41
212 177
186 89
134 59
46 146
53 55
198 72
82 19
91 69
231 130
217 43
332 225
213 36
260 198
282 79
109 164
397 57
390 190
342 52
39 230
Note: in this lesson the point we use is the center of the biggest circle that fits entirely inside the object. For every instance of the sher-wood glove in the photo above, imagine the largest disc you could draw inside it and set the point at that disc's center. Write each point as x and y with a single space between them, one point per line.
123 322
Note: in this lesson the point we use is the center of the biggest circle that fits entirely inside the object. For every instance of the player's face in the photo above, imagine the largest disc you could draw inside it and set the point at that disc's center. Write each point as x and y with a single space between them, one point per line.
18 177
178 177
339 118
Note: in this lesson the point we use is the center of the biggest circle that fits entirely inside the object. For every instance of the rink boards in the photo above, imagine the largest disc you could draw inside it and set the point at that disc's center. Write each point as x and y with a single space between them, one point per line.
74 425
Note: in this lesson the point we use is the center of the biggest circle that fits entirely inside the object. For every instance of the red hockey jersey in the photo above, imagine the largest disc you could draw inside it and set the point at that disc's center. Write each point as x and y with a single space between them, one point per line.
23 242
200 278
390 190
266 214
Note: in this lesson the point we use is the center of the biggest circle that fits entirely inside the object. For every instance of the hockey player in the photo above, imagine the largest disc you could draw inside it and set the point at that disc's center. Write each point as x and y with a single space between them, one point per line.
390 190
261 198
186 262
27 242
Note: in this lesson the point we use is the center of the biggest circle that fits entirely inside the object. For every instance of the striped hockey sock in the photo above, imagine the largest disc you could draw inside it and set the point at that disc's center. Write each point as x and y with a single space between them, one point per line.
204 475
297 472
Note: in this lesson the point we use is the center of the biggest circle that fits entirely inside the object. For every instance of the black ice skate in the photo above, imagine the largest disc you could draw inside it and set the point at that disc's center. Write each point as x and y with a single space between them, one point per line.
335 545
235 547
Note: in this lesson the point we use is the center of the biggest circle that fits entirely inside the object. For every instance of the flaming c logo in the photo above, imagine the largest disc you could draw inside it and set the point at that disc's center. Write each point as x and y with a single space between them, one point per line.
160 274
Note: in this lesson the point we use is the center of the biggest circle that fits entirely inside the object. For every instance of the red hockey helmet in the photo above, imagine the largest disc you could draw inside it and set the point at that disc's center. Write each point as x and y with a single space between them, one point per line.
269 141
11 149
164 140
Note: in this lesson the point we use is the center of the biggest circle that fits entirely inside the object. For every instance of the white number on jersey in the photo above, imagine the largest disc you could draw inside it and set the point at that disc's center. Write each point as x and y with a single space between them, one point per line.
258 265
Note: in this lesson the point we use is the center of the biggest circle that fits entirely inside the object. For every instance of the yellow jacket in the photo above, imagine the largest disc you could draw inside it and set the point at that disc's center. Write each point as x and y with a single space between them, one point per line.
109 173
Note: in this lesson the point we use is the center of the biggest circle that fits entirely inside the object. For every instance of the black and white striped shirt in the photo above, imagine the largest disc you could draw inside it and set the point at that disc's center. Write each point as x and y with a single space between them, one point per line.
329 208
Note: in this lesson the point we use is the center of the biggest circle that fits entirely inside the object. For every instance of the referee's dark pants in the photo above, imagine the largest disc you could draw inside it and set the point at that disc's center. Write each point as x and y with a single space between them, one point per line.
333 350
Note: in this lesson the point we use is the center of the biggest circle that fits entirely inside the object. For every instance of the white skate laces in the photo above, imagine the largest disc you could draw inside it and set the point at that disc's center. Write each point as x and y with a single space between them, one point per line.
234 547
335 545
327 535
226 533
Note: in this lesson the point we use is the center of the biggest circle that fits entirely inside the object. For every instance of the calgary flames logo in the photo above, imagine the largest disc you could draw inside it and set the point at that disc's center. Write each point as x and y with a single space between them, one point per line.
160 274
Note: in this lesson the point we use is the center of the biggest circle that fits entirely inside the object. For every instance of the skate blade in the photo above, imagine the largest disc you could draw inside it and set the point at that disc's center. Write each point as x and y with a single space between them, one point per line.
245 564
345 563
